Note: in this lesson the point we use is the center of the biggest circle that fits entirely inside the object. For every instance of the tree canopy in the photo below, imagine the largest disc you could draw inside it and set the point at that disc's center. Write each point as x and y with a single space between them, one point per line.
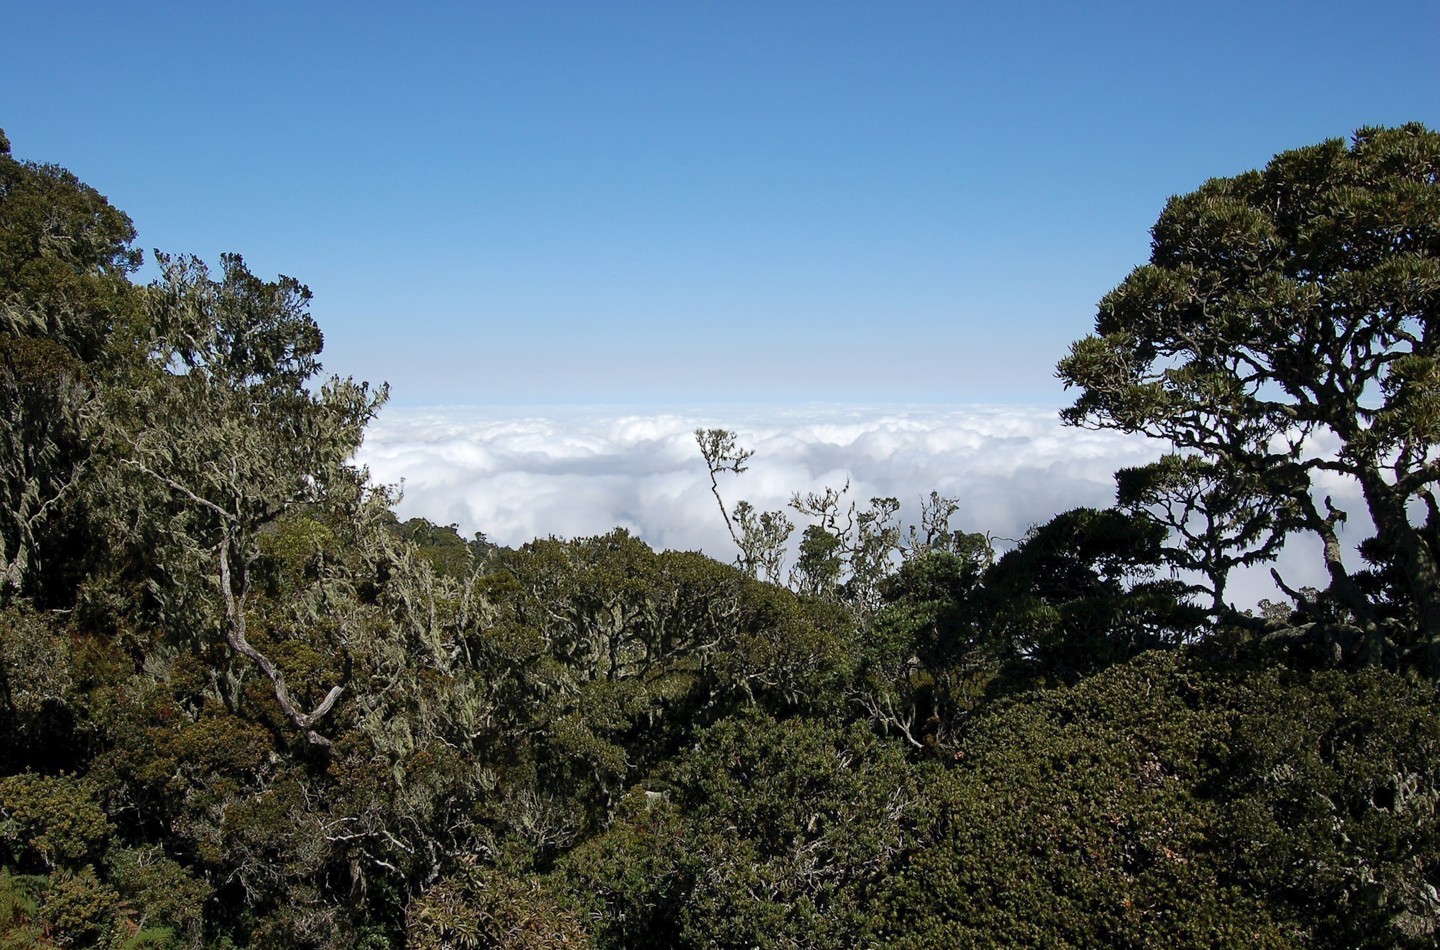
1287 330
243 704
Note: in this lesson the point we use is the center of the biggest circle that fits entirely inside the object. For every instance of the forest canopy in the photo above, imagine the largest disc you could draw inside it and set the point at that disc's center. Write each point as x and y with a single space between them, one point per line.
242 704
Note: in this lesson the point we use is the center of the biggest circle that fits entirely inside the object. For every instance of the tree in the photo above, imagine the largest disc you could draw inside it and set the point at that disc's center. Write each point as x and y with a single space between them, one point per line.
760 536
227 425
46 406
845 552
927 654
65 256
1078 594
1286 331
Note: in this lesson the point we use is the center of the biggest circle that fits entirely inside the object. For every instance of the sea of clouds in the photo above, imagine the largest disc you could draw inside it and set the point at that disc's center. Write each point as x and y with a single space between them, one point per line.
518 473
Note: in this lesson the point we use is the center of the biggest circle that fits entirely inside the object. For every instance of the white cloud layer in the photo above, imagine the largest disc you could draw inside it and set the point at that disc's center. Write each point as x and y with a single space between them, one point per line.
518 473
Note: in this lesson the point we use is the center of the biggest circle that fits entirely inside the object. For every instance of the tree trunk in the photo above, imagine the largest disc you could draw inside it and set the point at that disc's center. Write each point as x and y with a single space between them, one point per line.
1414 558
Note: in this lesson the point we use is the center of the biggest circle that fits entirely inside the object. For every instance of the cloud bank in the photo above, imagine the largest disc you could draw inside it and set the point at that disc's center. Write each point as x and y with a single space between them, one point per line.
517 473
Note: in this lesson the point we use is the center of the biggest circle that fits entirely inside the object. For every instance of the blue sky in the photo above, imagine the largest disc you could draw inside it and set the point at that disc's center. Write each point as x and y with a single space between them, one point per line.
674 203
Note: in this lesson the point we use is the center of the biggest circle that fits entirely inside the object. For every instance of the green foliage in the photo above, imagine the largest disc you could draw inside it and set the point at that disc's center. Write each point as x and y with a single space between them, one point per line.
19 929
759 535
1140 807
48 822
79 910
927 657
766 833
788 654
442 546
235 440
36 678
846 552
45 401
488 907
242 704
1222 516
64 257
1335 815
1077 595
1284 311
161 890
1064 828
68 319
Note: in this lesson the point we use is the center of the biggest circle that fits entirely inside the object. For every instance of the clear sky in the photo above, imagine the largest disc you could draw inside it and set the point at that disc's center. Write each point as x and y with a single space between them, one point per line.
679 202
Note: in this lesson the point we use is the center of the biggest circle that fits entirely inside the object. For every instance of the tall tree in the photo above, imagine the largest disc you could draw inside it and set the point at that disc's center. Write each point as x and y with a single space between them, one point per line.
65 257
1287 330
228 426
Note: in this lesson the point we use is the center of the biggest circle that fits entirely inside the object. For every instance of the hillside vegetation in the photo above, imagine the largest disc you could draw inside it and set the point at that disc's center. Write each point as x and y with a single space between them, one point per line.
243 705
